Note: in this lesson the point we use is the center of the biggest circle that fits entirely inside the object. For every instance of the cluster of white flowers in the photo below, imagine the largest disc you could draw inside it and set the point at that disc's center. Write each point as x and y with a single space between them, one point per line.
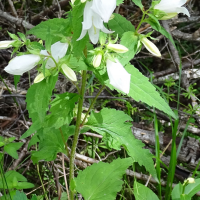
96 12
24 63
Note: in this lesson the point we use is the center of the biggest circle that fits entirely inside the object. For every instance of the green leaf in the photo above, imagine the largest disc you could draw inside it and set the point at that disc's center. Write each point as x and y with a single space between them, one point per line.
129 40
61 110
16 80
54 26
77 20
12 148
102 180
115 124
120 25
15 180
177 191
192 188
34 127
138 3
63 197
38 97
74 63
119 2
142 90
142 192
51 143
19 196
24 185
154 24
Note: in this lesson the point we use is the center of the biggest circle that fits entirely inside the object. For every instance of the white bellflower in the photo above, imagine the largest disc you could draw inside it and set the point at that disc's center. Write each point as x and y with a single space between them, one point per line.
21 64
104 8
93 22
58 51
172 8
119 77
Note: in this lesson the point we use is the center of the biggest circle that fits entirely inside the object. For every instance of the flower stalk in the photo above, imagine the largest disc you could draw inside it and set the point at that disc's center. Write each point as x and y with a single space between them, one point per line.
77 130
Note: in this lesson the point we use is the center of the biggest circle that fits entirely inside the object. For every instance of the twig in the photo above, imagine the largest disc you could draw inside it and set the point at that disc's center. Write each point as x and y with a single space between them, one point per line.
17 21
63 166
13 8
59 9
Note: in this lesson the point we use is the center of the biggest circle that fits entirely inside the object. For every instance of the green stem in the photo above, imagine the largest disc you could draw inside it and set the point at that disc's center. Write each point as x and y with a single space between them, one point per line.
76 134
141 21
93 102
46 197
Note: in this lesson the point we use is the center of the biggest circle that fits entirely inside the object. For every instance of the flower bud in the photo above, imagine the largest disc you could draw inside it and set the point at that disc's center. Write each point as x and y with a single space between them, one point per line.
39 78
69 72
83 117
6 44
151 47
118 48
97 60
191 180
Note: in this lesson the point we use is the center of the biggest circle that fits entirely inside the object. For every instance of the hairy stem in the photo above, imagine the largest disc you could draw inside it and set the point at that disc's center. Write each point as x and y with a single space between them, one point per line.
93 102
76 134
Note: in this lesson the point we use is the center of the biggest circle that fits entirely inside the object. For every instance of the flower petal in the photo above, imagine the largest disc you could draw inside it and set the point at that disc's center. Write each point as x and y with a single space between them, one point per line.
87 15
183 10
58 50
44 53
69 72
105 30
94 34
104 8
6 44
97 21
83 33
169 4
21 64
118 76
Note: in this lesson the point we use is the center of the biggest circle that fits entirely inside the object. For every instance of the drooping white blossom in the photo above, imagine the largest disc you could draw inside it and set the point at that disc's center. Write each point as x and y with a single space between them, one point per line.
119 77
151 47
21 64
172 8
104 8
58 51
6 44
69 72
92 23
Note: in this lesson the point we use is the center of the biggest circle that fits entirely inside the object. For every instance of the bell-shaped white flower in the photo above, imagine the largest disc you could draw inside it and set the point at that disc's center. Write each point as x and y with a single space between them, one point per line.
58 51
39 78
97 60
92 23
118 48
21 64
151 47
69 72
104 8
172 8
119 77
6 44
